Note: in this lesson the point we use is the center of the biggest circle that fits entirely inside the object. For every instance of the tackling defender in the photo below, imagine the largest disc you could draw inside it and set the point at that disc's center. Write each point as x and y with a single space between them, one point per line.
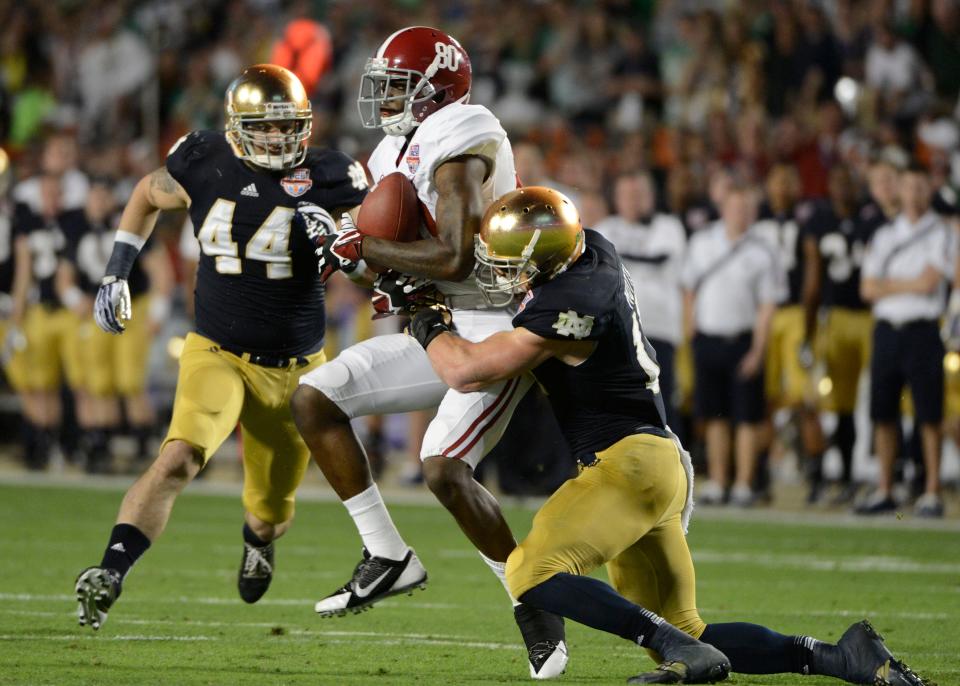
259 313
459 159
579 333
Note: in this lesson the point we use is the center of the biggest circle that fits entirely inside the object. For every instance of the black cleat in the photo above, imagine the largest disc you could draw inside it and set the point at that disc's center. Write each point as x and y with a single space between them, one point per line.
869 661
685 660
374 579
256 572
545 638
97 589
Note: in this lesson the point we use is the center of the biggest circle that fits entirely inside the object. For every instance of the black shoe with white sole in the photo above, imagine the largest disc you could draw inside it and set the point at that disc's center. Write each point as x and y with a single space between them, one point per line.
374 579
545 638
256 572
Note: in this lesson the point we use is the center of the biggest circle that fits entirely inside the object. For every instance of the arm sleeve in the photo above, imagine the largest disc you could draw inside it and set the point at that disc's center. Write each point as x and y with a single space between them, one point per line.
688 270
872 258
944 258
185 159
772 284
562 313
347 181
473 131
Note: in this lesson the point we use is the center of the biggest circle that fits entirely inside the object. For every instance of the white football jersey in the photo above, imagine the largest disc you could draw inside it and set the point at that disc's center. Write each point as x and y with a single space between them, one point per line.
454 130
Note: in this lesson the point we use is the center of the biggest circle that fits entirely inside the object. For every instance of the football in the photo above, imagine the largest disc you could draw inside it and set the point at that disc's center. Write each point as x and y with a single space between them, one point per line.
391 210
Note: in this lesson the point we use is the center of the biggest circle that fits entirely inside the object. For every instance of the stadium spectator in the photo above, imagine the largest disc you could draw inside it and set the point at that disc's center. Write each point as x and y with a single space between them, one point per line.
651 245
732 281
904 273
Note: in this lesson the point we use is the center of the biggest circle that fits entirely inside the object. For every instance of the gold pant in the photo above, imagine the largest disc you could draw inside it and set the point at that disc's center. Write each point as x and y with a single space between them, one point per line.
624 510
215 391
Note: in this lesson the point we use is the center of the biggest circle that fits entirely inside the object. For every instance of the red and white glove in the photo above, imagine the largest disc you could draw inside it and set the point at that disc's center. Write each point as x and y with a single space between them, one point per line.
336 249
395 293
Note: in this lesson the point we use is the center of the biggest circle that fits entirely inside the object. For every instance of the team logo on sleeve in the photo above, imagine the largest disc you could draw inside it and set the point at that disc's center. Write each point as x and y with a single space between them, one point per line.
570 323
298 183
413 159
523 303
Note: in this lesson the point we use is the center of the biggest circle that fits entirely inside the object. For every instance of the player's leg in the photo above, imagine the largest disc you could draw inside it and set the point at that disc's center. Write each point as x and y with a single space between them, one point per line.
274 461
712 395
206 409
130 374
886 385
467 427
614 502
41 381
845 353
925 374
748 409
383 375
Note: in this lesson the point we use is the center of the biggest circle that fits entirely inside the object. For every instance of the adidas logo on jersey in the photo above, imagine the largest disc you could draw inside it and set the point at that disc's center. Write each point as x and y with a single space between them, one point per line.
250 191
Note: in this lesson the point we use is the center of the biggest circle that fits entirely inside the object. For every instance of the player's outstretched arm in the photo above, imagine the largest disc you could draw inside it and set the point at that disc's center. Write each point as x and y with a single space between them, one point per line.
467 367
449 256
154 192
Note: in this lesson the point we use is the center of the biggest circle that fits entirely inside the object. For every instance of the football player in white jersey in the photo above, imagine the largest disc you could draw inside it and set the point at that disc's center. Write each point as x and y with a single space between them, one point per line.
416 89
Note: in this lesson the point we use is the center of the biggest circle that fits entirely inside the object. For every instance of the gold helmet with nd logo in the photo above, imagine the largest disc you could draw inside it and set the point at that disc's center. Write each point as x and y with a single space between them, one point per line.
526 237
269 117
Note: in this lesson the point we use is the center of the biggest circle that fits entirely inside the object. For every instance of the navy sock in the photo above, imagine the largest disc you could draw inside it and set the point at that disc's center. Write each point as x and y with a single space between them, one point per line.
755 649
127 544
845 437
250 537
595 604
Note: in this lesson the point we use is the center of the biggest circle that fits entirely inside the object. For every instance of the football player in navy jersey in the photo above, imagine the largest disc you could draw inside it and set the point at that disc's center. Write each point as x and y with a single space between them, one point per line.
835 237
259 315
578 332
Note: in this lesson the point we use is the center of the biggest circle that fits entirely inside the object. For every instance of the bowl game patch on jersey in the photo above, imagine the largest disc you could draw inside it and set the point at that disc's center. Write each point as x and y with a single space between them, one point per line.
297 183
413 158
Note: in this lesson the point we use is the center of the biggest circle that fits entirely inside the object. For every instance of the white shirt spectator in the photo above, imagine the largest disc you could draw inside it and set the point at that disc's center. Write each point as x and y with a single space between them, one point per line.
653 254
728 296
896 70
73 195
886 259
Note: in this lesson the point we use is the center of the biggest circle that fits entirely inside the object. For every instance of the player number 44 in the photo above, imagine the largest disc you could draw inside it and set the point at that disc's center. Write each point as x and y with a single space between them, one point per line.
269 244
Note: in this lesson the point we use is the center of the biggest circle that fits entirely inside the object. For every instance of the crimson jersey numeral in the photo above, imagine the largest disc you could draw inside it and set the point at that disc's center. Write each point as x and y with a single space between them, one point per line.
269 244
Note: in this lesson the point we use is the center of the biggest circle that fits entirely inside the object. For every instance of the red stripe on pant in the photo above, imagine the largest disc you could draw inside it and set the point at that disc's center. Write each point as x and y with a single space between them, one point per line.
493 420
483 415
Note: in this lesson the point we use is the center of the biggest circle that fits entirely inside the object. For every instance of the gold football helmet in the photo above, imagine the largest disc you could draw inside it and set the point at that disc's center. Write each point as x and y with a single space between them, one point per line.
526 237
269 117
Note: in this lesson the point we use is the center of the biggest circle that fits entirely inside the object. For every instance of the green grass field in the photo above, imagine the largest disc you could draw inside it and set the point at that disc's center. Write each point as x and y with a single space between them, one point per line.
180 620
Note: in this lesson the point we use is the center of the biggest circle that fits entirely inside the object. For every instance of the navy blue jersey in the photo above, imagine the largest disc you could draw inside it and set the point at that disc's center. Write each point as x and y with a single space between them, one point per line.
842 242
615 392
46 243
257 285
782 232
88 247
8 234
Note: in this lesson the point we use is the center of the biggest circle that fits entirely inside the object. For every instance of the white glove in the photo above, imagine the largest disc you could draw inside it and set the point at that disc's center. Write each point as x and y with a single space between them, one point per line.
113 306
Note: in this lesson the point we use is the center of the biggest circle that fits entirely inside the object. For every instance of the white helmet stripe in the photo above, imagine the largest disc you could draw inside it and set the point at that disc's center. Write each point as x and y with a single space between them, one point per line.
384 44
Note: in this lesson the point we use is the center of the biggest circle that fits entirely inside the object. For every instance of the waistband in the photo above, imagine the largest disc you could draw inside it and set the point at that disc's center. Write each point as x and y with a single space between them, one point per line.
271 361
911 324
732 338
590 459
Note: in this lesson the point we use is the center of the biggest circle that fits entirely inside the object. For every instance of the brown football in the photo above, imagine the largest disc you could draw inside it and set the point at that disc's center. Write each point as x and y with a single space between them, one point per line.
391 210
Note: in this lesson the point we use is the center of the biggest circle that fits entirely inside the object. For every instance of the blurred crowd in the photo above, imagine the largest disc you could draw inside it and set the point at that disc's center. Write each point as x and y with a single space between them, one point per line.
652 115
